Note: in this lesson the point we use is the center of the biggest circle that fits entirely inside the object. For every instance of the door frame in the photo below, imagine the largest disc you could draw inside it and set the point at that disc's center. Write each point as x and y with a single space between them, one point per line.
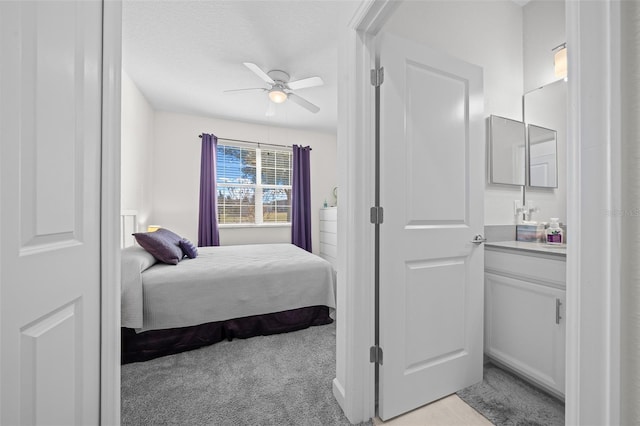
110 214
595 399
593 198
354 384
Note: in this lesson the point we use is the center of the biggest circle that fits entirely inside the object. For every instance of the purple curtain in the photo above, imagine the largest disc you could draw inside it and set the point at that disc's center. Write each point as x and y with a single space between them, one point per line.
208 218
301 198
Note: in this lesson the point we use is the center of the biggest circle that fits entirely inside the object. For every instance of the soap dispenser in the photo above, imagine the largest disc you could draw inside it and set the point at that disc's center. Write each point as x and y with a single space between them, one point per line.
554 232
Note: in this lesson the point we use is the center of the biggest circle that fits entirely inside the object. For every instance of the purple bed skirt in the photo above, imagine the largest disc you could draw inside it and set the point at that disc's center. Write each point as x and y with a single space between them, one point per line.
156 343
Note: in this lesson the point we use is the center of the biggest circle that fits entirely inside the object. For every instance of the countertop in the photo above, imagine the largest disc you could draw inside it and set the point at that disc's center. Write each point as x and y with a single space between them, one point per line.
560 250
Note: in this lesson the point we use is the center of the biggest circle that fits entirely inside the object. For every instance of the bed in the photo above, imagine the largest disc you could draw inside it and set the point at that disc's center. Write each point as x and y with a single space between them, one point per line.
225 292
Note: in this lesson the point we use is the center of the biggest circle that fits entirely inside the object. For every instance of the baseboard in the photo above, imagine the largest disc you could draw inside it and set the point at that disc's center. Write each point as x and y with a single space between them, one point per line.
522 374
338 393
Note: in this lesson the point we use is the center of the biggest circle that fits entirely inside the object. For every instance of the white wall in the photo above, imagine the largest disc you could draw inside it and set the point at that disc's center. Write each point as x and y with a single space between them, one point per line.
176 159
136 167
485 33
544 29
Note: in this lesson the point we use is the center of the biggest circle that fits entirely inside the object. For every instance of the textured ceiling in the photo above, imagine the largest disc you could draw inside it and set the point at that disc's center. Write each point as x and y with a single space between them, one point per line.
182 55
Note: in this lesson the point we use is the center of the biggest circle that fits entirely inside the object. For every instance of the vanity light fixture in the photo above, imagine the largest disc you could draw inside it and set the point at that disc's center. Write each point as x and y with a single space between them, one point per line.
277 95
560 60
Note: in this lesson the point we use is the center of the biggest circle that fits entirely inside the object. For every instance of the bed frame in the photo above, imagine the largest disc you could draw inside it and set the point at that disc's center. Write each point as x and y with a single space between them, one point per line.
152 344
128 225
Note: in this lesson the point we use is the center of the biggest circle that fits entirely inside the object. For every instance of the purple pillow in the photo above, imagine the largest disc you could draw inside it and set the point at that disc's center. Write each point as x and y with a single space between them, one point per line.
169 235
188 248
162 244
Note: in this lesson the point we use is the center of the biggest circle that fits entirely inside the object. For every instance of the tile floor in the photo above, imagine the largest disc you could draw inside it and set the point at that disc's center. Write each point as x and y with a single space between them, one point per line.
448 411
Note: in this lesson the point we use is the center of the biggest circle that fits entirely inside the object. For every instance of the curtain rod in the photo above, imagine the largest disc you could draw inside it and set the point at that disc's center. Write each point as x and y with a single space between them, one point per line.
255 143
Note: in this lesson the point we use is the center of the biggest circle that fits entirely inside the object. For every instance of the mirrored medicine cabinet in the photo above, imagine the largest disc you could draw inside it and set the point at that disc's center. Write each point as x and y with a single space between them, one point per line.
507 143
526 153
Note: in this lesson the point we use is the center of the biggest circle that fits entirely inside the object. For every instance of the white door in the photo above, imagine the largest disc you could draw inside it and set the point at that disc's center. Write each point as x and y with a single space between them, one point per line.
432 191
50 133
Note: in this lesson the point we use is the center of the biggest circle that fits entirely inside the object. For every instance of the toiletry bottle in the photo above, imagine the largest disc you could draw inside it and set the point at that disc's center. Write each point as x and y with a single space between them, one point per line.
543 232
554 232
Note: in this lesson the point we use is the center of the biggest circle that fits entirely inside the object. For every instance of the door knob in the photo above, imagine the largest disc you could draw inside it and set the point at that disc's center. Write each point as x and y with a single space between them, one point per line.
478 239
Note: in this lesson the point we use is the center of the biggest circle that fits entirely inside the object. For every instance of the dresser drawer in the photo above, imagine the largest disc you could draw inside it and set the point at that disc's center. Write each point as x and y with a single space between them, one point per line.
329 238
326 226
329 250
329 213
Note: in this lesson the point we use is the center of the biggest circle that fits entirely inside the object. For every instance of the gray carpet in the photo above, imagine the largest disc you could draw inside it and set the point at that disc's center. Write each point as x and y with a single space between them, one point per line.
284 379
505 399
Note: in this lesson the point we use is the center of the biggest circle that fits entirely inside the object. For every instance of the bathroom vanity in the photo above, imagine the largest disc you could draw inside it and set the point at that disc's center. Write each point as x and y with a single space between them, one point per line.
525 310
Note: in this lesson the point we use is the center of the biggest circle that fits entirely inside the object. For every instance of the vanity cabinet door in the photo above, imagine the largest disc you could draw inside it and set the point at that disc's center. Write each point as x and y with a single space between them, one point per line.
525 329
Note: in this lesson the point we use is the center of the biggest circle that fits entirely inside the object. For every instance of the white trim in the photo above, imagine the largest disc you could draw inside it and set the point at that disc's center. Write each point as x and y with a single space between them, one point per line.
613 306
338 392
110 214
593 269
630 290
255 225
572 347
372 15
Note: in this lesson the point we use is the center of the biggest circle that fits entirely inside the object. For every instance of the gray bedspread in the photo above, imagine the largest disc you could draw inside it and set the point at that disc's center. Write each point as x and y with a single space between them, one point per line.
227 282
135 260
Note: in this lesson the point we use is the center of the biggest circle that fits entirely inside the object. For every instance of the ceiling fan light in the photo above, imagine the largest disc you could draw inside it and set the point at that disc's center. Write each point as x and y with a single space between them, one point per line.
277 96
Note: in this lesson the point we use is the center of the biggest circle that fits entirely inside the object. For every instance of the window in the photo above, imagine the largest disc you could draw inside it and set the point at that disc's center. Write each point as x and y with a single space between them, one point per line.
253 184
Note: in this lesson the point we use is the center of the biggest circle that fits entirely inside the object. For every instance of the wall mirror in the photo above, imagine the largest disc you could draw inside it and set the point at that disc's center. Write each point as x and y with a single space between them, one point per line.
543 158
545 114
506 151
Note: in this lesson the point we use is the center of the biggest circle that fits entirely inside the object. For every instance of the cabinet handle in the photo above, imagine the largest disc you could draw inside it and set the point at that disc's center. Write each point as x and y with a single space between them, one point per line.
558 317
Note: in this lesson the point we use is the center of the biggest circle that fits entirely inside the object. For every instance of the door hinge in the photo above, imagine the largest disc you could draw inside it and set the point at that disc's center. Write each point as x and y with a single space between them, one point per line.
375 355
377 77
377 215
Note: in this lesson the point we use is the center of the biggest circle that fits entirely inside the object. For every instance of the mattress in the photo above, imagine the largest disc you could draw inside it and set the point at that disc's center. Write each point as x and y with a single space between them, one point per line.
223 283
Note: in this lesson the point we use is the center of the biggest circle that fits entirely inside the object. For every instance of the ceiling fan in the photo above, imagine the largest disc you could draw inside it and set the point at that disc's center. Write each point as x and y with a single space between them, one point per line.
280 88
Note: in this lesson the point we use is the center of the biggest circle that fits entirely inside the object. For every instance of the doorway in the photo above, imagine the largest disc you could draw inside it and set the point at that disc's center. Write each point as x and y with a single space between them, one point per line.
323 154
358 400
597 397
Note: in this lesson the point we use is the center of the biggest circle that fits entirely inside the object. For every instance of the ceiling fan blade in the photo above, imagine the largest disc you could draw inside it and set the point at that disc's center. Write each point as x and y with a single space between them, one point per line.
271 109
261 89
303 103
305 82
256 69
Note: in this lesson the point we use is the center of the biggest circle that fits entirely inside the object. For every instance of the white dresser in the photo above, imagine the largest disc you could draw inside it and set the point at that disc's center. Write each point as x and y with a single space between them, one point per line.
329 235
